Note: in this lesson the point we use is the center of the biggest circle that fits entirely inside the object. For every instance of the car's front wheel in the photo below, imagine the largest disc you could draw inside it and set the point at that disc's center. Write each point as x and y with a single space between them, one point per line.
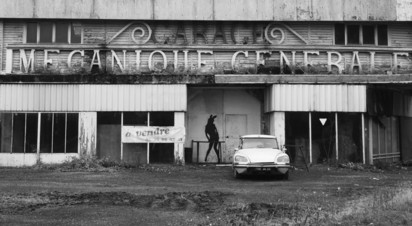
285 176
236 175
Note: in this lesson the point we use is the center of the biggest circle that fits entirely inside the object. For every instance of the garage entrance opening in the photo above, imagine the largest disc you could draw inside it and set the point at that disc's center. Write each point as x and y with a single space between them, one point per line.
297 136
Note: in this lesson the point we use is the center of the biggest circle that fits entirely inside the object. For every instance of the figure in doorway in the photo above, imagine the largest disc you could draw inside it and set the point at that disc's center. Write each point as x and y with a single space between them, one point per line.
212 136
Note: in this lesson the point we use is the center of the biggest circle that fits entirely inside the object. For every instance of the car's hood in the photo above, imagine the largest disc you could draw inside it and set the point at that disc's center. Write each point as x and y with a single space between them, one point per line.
259 154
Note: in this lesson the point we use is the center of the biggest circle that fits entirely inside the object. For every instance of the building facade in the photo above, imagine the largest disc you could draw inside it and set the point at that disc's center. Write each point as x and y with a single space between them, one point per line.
138 80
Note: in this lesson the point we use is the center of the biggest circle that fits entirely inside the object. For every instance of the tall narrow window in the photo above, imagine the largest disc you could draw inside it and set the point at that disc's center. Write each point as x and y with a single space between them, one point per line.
18 132
31 33
368 32
353 34
358 34
382 35
62 31
339 34
46 32
53 32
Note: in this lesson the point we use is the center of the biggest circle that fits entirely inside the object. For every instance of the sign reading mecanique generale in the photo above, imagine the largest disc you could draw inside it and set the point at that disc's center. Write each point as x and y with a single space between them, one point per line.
204 49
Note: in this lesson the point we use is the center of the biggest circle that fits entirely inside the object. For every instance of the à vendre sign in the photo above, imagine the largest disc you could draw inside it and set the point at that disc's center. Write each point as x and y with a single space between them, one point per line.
144 134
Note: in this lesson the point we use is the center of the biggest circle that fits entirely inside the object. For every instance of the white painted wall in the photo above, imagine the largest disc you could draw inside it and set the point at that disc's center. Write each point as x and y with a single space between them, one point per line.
26 160
87 133
179 147
202 102
277 126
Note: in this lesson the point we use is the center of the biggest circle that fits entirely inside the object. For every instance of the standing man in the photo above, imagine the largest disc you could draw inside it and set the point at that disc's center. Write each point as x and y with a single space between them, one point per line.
212 136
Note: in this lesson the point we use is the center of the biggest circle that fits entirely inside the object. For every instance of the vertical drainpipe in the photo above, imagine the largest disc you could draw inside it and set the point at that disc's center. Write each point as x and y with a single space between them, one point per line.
148 144
121 141
310 138
363 139
337 136
38 135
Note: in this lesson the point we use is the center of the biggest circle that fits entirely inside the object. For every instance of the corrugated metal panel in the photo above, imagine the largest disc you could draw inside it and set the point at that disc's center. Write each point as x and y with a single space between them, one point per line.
78 98
323 98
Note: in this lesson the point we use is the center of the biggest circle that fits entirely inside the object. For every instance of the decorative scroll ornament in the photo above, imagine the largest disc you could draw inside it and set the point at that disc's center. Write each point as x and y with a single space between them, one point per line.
274 34
140 34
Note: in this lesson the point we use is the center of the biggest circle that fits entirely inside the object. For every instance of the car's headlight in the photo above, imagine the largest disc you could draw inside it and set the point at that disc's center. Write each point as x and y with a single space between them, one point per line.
282 159
241 159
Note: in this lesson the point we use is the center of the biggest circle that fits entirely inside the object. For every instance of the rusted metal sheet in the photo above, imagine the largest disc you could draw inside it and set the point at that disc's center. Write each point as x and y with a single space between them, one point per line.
322 98
77 98
252 10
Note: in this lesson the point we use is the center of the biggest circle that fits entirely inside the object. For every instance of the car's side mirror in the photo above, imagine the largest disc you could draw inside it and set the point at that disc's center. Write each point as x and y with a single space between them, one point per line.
284 149
236 149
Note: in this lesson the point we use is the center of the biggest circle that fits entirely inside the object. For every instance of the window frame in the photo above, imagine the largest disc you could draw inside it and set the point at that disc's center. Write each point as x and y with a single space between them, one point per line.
69 33
39 132
361 25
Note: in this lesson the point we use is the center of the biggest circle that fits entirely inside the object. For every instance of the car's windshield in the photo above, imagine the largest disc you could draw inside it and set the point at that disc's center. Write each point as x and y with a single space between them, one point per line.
259 143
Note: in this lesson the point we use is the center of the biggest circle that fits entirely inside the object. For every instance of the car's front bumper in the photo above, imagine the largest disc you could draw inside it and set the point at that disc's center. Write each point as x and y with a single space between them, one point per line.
261 168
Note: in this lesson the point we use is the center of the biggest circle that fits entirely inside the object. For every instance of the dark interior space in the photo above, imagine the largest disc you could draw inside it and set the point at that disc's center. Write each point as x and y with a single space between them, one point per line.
161 153
109 135
323 137
297 137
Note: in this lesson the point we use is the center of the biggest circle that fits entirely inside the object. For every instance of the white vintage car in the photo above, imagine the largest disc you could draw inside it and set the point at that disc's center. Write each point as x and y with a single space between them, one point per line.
260 154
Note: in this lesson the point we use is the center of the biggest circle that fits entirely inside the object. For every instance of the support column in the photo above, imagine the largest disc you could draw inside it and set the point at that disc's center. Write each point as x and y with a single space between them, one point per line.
179 147
87 134
277 126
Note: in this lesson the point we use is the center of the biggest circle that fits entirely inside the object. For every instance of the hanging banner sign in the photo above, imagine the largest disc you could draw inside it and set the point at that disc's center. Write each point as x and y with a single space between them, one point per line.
144 134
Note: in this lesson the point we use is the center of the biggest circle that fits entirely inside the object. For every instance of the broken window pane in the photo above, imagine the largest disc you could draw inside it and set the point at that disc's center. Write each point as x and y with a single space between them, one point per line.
76 33
72 133
135 118
368 32
62 32
46 132
162 119
31 33
353 34
31 133
339 34
383 35
59 132
46 32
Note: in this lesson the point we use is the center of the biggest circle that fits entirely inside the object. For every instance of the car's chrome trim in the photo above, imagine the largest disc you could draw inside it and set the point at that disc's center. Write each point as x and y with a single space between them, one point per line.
254 165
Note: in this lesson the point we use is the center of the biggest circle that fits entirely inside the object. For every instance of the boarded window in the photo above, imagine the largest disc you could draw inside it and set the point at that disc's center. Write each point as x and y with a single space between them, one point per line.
76 33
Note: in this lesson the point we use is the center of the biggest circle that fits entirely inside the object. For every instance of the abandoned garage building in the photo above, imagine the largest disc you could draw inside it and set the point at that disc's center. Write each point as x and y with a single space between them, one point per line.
138 80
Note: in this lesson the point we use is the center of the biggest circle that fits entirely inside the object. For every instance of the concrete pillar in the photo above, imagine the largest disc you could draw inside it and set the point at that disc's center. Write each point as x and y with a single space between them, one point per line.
179 147
87 133
277 126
